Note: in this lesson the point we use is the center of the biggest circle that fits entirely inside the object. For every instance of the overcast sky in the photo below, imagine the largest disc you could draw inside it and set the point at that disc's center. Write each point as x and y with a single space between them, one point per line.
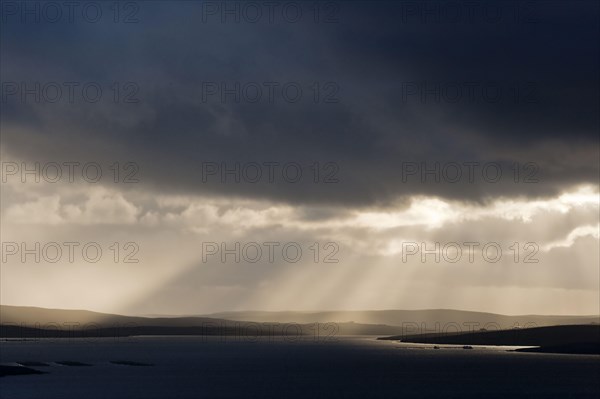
352 156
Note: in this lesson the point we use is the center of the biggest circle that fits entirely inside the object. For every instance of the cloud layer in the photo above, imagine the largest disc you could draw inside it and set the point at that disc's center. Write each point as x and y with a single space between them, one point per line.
391 134
404 89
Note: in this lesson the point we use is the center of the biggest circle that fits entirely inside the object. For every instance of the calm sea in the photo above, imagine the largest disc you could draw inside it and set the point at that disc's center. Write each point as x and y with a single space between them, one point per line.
350 367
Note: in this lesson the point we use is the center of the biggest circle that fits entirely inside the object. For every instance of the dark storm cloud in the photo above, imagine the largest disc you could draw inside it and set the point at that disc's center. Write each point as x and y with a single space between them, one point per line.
528 92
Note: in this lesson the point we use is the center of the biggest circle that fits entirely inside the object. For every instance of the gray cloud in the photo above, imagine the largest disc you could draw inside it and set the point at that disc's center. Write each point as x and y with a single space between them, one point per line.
545 72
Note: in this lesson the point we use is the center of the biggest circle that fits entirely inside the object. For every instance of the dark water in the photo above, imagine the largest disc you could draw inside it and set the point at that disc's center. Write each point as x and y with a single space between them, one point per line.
352 367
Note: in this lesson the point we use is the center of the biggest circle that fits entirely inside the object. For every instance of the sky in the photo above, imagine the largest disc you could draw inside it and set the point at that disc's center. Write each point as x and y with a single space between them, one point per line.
189 157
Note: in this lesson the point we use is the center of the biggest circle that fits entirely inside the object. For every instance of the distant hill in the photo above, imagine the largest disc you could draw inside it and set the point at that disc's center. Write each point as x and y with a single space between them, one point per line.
408 318
23 321
555 339
34 322
31 316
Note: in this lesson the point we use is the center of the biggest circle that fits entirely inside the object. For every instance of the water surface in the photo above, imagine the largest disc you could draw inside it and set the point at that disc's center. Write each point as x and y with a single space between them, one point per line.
349 367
